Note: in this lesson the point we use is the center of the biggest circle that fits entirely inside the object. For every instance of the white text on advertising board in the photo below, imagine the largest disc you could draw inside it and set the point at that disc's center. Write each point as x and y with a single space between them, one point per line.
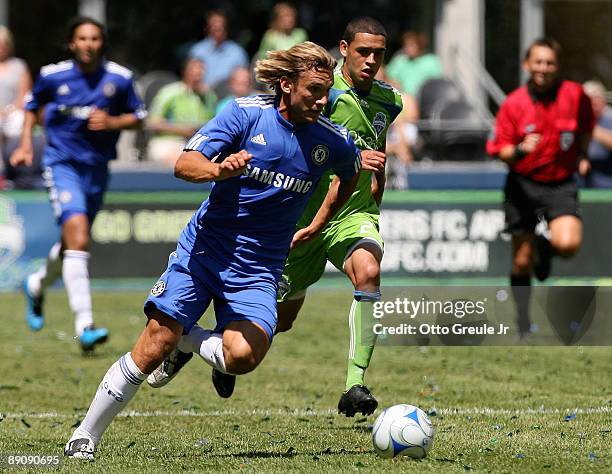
450 240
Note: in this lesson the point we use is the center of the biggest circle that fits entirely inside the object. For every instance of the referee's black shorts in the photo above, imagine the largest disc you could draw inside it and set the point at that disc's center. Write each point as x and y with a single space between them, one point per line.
526 201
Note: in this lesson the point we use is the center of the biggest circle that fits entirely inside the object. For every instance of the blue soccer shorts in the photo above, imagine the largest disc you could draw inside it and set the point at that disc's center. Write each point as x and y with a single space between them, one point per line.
192 281
75 188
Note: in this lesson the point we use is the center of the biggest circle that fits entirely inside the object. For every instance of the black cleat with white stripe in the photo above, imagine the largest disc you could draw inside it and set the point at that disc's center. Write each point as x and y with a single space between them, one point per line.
357 399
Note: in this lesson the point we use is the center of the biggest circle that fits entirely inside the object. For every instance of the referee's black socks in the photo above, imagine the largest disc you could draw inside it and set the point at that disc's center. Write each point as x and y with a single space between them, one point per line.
521 291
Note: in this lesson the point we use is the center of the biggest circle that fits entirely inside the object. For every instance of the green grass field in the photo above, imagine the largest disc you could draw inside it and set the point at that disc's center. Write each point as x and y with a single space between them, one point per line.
521 409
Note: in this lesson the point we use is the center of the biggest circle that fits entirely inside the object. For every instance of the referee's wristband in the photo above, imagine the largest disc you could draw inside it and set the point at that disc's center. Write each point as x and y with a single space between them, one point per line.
519 153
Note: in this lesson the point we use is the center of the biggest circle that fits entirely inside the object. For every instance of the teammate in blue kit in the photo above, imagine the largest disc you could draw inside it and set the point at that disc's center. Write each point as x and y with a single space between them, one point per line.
266 155
87 101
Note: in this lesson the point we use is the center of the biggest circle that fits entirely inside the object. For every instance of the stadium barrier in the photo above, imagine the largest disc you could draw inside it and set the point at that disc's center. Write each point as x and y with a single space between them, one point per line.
428 234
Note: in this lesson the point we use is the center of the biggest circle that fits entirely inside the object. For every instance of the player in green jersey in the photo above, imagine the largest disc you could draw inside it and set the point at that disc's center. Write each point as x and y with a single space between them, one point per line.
351 241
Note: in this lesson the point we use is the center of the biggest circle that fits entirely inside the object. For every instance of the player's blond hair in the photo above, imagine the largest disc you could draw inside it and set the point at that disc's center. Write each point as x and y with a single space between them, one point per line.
290 63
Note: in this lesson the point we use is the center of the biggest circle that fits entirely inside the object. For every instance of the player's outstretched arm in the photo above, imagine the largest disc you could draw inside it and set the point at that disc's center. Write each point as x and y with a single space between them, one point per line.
338 194
194 167
24 154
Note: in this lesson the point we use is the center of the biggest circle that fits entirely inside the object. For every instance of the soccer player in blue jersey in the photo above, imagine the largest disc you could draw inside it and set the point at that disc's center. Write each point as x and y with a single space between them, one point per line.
266 155
87 100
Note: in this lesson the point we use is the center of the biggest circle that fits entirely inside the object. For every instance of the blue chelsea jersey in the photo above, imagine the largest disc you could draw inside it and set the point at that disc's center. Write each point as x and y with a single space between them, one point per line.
248 221
68 96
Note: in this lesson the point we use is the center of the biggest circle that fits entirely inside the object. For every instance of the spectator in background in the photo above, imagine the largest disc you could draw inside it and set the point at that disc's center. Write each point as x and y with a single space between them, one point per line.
412 65
600 149
220 55
15 82
283 32
240 84
402 138
177 111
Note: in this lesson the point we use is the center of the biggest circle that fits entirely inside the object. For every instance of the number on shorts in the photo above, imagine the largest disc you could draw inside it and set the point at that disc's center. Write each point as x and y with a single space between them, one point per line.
366 228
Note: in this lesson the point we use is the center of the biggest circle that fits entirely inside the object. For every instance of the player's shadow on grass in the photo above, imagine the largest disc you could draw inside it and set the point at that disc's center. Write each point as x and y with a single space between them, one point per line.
291 453
256 455
92 355
359 429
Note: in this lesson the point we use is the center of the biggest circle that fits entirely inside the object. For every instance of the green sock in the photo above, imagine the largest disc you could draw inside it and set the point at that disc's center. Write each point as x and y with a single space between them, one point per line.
361 342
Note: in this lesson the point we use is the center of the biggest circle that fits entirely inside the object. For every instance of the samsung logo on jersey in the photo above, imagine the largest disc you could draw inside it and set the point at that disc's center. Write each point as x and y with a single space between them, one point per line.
278 180
81 113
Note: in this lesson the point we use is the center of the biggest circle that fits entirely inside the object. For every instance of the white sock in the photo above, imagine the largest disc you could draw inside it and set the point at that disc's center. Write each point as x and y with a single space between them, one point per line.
207 344
46 275
76 281
117 388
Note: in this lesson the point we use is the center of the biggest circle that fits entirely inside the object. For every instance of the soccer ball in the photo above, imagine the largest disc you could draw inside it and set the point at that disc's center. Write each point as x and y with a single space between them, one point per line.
402 430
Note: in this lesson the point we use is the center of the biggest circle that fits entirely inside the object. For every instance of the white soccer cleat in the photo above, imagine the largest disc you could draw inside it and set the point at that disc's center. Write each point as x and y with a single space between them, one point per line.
169 368
80 448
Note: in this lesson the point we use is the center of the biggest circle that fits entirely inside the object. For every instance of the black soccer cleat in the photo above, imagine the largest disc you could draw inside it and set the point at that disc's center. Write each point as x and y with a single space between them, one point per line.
357 399
224 383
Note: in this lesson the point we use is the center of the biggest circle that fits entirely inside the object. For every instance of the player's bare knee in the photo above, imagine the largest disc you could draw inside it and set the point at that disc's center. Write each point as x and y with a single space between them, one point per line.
77 241
75 233
368 276
567 249
245 345
241 359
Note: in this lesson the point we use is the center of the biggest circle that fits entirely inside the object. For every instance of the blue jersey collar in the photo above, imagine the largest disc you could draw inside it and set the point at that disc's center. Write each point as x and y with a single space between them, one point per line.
99 71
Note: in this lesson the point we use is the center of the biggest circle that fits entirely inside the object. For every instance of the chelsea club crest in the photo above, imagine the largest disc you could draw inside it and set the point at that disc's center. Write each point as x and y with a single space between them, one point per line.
158 288
319 154
109 89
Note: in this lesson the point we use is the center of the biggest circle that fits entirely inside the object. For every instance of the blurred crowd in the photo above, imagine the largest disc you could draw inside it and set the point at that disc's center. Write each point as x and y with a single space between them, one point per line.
218 69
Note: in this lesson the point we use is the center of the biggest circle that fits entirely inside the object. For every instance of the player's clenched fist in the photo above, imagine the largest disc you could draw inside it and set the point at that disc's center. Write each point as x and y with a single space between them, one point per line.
372 160
234 164
530 143
23 155
98 120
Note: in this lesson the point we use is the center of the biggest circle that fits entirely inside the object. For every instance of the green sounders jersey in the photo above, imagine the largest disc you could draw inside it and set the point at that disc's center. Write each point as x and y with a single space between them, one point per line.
367 116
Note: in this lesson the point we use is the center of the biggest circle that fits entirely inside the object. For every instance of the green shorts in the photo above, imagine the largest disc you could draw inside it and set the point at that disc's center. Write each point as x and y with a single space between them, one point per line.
306 263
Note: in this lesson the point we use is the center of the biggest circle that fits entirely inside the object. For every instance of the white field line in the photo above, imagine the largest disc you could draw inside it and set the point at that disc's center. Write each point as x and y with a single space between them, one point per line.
481 411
